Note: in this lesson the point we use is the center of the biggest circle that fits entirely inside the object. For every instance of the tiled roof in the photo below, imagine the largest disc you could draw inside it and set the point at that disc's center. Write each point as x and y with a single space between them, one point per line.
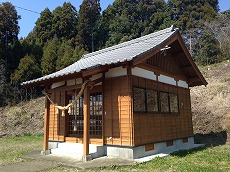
126 51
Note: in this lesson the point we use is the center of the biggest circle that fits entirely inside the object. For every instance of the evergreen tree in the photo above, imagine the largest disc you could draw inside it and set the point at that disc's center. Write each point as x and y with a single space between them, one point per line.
43 27
65 21
209 49
28 69
65 55
9 30
129 19
49 58
77 53
104 26
15 53
154 15
88 24
122 17
9 27
190 14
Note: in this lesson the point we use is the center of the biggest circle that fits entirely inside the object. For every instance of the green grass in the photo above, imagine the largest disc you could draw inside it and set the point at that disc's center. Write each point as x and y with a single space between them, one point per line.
211 159
11 149
216 159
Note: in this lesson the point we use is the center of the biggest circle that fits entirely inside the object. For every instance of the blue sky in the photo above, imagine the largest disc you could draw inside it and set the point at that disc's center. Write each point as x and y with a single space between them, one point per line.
28 19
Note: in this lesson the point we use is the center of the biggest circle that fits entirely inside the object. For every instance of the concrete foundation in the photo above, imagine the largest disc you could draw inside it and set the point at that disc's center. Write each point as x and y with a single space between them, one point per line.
75 150
159 148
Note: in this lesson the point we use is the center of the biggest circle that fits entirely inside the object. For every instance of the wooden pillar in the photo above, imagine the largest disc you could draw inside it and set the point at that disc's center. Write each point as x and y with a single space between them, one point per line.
46 126
86 134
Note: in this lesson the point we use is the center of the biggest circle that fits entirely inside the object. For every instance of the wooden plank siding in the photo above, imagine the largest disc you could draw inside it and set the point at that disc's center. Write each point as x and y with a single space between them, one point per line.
157 127
117 106
120 125
56 121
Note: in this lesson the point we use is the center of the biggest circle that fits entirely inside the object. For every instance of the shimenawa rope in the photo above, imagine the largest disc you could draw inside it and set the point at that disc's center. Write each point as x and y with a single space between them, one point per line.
63 108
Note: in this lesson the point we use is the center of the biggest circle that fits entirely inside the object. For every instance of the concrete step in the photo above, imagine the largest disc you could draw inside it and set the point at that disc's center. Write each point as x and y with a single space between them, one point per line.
76 150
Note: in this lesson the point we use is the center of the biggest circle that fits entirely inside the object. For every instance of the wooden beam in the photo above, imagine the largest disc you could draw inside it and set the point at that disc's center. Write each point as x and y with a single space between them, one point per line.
193 80
64 88
103 109
86 133
46 125
187 69
93 71
159 71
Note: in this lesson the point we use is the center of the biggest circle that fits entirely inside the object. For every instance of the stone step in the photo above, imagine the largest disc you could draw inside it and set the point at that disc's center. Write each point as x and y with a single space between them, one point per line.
76 150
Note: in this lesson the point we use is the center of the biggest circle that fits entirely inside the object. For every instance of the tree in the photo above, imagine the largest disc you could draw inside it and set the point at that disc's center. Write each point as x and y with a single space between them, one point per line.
88 24
9 27
65 21
77 53
15 53
209 49
44 26
28 69
8 34
190 14
122 16
220 28
49 58
129 19
65 55
154 15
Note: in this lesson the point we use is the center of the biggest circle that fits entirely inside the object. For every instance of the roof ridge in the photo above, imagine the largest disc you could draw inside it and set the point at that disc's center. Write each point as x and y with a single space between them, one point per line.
130 42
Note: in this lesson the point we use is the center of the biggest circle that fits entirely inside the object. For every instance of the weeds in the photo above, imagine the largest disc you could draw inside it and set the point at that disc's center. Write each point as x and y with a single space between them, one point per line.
12 149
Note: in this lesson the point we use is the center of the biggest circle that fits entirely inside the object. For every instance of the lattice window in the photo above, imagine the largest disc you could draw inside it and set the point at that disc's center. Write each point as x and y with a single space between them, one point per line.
173 99
152 101
164 102
96 114
139 103
169 102
147 101
76 116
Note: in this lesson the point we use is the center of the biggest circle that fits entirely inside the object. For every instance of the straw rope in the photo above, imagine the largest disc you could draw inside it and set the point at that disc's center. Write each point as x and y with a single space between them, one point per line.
63 108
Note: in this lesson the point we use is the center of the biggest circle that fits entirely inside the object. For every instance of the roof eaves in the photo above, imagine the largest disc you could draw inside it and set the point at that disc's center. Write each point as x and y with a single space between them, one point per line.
189 57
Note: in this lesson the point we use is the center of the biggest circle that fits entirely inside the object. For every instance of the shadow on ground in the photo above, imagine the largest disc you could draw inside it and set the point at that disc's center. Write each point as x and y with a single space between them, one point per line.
211 139
208 140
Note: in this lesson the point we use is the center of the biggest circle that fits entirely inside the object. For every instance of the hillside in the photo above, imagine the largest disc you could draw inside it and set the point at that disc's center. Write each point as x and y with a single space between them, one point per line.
211 104
210 107
23 118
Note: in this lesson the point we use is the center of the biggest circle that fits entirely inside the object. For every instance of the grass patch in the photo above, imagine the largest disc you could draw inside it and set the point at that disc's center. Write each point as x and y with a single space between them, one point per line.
212 159
12 149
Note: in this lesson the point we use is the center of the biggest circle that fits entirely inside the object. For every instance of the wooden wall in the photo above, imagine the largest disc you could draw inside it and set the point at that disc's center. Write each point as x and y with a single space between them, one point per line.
56 121
151 128
123 127
118 129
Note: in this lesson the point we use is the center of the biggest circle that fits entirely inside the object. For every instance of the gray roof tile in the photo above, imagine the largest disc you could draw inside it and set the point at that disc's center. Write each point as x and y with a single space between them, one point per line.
126 51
